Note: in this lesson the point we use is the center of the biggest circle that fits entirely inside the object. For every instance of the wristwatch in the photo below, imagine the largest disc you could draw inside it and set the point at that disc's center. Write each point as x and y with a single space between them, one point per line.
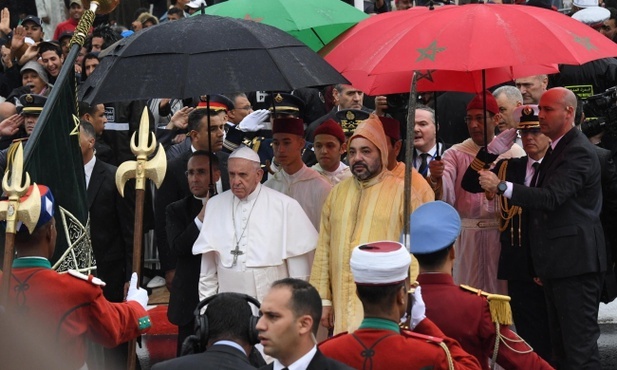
502 187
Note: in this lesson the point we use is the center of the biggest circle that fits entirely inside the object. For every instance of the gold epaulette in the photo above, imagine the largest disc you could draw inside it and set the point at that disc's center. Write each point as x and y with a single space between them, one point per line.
499 305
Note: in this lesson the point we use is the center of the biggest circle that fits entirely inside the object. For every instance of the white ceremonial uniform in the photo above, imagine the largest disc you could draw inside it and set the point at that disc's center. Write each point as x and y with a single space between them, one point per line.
306 186
248 244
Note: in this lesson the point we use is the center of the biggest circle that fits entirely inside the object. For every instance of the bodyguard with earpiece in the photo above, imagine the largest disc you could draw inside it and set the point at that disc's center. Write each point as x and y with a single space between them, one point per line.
227 333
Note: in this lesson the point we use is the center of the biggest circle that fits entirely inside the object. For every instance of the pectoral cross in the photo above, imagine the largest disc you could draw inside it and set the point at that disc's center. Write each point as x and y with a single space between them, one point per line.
236 252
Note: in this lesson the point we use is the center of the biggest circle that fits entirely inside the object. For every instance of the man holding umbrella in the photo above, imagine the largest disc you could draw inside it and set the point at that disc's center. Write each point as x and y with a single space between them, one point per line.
478 244
567 242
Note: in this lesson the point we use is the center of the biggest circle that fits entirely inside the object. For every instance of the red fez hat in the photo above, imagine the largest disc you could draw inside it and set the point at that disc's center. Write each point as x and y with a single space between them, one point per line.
330 127
292 125
477 103
391 127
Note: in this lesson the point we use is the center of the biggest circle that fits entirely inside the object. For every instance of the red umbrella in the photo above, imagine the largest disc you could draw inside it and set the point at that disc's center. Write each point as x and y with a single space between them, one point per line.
442 80
472 37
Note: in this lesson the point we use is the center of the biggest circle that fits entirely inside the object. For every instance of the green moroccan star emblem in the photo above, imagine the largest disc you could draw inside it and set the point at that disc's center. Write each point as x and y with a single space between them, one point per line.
585 42
430 52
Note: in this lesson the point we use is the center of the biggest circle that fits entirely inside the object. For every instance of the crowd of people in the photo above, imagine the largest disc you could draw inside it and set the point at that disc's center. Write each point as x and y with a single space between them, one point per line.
278 222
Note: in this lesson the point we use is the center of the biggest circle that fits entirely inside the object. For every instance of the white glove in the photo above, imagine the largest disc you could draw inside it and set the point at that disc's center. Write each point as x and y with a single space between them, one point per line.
254 121
138 295
418 310
503 142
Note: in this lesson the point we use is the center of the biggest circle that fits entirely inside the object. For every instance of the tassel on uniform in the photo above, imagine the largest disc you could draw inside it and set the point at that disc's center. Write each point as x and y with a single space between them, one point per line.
500 308
499 305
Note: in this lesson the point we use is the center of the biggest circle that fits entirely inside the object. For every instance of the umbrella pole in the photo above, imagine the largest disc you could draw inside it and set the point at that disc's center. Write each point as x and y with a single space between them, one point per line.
212 190
437 155
409 136
484 107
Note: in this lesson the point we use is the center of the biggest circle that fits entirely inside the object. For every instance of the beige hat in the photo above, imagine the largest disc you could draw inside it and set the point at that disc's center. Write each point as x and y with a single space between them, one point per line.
372 130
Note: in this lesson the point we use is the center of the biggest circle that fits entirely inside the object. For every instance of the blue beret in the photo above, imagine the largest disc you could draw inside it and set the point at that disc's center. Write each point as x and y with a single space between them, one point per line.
434 226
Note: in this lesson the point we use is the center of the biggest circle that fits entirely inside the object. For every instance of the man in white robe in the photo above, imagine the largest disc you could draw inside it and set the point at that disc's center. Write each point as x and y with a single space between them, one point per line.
294 178
252 235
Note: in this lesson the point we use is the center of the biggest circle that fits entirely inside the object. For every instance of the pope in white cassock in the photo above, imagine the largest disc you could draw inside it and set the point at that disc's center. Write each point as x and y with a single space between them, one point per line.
252 235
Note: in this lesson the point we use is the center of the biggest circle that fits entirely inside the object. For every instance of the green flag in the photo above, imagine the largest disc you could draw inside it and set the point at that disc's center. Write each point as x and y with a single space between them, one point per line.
53 158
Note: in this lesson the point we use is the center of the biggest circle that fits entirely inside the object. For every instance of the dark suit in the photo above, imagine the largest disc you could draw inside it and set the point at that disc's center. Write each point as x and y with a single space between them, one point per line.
609 219
104 152
111 233
319 362
182 231
111 230
175 187
528 301
567 246
219 357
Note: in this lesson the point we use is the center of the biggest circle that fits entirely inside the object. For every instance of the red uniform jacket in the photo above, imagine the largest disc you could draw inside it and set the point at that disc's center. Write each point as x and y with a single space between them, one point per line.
380 345
67 310
466 317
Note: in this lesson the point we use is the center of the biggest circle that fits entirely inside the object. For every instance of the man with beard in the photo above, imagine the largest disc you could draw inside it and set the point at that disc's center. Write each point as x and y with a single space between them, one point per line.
364 208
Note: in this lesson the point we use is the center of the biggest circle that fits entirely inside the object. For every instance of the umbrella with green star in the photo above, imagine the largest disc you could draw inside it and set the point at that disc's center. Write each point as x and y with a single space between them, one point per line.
314 22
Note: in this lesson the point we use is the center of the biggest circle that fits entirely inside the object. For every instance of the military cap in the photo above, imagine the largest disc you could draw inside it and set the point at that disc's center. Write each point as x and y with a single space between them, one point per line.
196 4
593 16
527 115
380 263
585 3
32 104
32 18
217 103
284 103
434 226
350 119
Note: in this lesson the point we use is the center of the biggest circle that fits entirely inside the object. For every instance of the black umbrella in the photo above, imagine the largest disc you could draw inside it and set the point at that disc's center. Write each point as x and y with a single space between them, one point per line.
205 54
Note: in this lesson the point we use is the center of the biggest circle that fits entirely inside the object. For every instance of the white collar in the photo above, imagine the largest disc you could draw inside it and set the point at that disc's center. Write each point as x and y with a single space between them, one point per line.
88 167
301 364
230 344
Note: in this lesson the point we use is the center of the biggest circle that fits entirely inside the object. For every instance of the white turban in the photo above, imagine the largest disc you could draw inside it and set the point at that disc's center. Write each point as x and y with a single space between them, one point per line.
380 263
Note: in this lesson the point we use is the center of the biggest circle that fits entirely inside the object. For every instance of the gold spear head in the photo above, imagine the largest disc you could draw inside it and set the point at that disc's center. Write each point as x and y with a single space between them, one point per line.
12 210
27 211
105 6
153 169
